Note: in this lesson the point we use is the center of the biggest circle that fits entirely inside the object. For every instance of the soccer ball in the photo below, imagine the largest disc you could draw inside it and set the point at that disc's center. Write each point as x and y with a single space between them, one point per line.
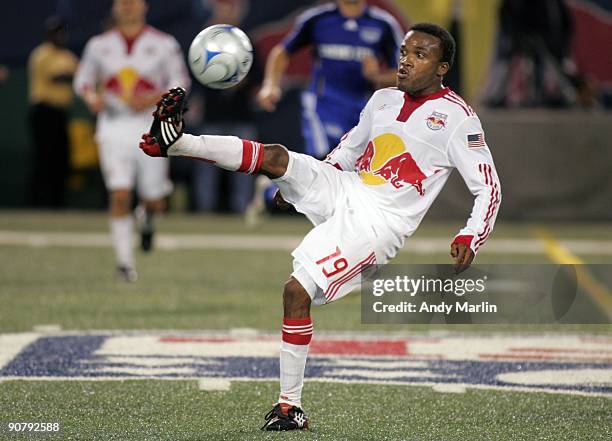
220 56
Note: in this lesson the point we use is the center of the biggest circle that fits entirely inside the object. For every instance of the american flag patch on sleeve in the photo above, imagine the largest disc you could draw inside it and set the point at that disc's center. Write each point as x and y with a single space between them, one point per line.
476 140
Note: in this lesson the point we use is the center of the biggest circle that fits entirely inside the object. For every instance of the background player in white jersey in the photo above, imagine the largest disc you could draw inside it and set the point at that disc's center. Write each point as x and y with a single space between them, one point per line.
121 76
367 196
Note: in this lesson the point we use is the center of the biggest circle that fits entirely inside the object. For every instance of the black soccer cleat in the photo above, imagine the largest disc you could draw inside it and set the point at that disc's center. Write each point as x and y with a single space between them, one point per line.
126 274
146 240
283 417
144 219
168 123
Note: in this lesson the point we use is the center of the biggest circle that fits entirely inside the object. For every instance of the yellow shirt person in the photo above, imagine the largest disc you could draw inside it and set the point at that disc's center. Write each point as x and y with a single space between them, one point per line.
51 69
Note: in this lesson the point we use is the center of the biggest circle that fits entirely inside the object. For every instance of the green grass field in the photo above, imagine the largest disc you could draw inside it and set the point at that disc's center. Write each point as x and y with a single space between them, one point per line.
195 289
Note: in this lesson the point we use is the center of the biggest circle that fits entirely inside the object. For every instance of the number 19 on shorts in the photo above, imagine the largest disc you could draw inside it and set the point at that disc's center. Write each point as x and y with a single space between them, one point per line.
332 264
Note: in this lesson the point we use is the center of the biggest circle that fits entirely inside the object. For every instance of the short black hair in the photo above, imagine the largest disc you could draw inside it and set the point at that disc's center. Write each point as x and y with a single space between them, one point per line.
447 42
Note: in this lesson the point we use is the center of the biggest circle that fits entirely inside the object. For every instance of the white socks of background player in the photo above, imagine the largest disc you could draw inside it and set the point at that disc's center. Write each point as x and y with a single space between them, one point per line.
228 152
121 233
297 334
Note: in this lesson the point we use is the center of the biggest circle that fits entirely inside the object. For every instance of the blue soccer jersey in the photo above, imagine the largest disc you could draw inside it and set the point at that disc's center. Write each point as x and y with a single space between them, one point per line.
338 89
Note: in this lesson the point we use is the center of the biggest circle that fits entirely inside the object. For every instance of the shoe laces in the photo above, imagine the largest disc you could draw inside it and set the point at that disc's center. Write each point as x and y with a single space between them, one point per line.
275 412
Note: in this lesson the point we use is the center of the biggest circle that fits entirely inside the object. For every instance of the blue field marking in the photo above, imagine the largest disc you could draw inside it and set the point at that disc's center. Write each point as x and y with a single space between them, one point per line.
79 356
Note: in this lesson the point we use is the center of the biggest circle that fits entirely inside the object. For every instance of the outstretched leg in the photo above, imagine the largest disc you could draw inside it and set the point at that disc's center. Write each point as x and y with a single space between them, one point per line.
166 138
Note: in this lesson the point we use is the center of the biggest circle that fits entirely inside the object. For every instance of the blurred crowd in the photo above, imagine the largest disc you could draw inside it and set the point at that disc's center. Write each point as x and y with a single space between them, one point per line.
533 65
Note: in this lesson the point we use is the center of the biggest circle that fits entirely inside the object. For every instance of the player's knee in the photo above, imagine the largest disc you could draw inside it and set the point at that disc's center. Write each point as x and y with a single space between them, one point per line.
275 160
296 301
120 202
156 206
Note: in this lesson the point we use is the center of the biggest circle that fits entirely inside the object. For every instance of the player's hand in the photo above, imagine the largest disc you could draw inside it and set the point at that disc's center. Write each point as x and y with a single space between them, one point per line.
370 68
280 202
94 102
143 102
268 97
462 256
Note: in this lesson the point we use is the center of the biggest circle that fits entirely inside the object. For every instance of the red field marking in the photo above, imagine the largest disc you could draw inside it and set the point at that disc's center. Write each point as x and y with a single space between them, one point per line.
545 357
353 347
603 340
197 340
554 350
328 347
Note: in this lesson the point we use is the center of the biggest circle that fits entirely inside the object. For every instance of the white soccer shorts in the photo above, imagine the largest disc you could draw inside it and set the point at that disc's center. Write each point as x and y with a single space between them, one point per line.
125 166
329 261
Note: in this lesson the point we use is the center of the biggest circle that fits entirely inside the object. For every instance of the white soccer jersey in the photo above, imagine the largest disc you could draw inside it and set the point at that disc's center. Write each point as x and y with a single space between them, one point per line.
122 68
404 150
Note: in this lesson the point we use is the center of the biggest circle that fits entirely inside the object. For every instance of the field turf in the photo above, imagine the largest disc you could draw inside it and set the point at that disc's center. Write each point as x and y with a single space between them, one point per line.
200 289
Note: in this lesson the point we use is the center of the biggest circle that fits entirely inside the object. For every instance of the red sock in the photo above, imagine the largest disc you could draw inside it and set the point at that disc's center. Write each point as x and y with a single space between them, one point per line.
297 331
252 155
227 152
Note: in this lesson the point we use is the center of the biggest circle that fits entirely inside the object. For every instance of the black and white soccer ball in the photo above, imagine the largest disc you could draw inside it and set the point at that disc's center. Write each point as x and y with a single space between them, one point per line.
220 56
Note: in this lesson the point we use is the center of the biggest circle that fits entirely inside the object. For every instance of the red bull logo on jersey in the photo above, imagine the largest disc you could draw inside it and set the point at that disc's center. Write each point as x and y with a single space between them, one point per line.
436 120
128 84
385 160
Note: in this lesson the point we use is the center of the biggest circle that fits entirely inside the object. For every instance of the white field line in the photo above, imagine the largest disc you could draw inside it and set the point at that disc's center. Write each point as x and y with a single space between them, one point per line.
214 384
285 243
13 344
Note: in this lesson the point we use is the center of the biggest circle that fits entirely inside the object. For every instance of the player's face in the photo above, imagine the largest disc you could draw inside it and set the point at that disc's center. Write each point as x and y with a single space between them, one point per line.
420 71
129 11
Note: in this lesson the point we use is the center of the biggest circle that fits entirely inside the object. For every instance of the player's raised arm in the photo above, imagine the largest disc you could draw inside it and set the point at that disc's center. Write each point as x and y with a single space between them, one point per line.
278 61
390 43
276 65
353 144
468 152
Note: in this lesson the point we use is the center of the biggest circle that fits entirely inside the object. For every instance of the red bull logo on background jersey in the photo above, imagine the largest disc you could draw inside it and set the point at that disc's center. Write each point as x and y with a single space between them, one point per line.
385 160
128 83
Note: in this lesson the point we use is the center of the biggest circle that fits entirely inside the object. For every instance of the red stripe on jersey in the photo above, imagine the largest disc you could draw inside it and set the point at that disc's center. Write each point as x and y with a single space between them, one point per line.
493 189
461 100
485 234
487 171
333 287
494 193
413 103
452 100
480 241
408 108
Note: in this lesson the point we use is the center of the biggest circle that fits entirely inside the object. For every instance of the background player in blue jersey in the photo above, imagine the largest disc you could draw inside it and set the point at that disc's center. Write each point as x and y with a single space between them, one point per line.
355 50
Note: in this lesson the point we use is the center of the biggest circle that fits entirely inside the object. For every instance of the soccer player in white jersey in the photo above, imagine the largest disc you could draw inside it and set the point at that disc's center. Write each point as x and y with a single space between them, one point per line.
121 76
366 197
